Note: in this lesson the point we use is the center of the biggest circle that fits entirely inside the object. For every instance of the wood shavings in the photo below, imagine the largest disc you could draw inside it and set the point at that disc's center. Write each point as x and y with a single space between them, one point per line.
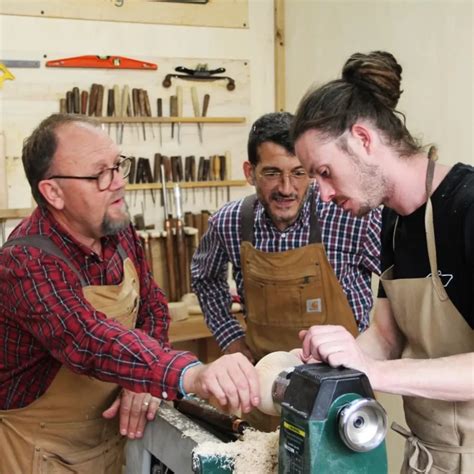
255 452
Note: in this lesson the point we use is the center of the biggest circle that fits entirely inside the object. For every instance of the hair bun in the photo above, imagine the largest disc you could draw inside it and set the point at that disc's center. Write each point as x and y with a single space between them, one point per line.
377 72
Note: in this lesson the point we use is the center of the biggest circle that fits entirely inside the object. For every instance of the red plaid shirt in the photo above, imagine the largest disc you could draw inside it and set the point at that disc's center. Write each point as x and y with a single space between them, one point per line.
45 321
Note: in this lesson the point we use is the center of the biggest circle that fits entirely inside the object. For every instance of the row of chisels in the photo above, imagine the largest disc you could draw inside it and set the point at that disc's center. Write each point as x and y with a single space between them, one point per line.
132 103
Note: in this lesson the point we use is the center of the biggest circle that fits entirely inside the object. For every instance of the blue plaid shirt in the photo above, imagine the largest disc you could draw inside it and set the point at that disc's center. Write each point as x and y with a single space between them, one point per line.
352 247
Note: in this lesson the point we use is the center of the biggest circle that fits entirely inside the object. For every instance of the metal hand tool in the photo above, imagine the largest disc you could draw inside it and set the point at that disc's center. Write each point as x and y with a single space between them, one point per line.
117 110
173 111
179 108
169 240
159 113
197 112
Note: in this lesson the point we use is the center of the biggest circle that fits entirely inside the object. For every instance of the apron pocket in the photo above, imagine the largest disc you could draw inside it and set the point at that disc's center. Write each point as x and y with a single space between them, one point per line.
292 303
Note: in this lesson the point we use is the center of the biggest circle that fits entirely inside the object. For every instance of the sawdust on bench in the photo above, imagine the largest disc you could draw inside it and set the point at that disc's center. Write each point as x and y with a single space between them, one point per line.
255 452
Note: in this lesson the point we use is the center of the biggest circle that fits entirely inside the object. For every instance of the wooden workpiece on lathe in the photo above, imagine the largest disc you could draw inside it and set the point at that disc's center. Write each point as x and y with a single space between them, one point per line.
268 368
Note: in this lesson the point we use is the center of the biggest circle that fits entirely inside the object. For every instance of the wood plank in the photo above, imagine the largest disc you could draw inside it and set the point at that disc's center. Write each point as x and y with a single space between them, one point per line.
14 213
220 13
189 185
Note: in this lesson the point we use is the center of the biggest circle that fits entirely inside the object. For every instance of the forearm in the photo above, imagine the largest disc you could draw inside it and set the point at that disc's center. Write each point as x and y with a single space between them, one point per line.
448 378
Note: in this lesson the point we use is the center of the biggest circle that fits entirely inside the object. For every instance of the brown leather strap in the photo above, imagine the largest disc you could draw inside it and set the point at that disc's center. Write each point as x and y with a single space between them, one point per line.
247 217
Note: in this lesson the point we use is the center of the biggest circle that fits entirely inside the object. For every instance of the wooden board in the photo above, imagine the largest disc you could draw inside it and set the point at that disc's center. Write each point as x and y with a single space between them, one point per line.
220 13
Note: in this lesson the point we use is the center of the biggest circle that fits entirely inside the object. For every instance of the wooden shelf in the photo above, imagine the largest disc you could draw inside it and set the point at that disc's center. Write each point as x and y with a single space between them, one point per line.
14 213
189 184
122 120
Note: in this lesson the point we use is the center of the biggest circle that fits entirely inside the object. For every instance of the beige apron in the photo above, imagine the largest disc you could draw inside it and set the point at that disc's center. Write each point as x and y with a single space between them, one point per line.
442 433
63 431
286 292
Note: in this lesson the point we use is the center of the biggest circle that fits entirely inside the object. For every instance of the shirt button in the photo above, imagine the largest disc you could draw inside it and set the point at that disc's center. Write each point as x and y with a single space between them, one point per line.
164 395
42 425
283 236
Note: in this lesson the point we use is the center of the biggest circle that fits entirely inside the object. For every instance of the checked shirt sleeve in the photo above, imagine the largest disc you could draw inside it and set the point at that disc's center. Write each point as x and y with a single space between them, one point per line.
209 269
48 305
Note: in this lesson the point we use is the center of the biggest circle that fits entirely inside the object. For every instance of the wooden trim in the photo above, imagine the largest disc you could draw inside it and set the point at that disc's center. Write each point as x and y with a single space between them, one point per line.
14 213
171 119
188 185
218 13
280 59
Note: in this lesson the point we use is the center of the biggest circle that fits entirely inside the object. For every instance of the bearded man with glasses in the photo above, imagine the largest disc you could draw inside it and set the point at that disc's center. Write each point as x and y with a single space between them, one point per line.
83 326
296 260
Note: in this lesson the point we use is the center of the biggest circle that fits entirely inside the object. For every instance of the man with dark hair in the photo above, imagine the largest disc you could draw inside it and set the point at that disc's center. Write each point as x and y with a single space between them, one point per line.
83 326
296 261
420 343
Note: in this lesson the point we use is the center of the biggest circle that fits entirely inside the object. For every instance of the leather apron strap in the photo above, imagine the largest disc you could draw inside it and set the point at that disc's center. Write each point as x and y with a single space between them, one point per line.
63 430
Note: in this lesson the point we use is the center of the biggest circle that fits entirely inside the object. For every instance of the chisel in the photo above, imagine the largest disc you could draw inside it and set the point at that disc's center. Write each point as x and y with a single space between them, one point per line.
197 113
159 113
117 110
179 108
173 112
84 97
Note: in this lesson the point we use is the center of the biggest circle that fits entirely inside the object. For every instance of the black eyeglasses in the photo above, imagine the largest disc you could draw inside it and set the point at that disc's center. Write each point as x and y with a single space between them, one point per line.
104 178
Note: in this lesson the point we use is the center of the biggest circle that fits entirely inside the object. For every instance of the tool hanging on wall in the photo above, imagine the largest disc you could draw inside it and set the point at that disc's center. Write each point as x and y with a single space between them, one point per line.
169 240
159 113
104 62
7 64
200 73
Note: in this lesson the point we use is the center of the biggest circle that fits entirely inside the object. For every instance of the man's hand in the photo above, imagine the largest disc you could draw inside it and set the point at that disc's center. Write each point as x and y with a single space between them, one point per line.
135 410
231 379
239 345
335 346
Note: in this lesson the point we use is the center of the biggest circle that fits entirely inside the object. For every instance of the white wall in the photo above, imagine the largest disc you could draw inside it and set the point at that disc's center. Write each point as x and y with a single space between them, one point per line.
432 40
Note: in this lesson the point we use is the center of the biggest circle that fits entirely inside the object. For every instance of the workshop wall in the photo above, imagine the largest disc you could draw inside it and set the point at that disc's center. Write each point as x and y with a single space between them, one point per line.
432 40
246 52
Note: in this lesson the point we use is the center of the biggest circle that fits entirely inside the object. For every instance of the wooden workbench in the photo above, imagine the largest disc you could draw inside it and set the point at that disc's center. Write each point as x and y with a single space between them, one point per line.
193 335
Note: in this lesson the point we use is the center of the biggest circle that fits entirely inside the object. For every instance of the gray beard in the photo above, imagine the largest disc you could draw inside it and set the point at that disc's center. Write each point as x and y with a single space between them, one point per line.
112 227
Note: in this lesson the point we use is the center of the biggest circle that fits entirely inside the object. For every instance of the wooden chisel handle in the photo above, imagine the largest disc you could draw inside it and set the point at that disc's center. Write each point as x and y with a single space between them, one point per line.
205 105
195 100
69 102
147 103
117 102
100 100
141 102
135 102
84 97
159 107
110 103
157 168
93 99
126 107
76 100
62 106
